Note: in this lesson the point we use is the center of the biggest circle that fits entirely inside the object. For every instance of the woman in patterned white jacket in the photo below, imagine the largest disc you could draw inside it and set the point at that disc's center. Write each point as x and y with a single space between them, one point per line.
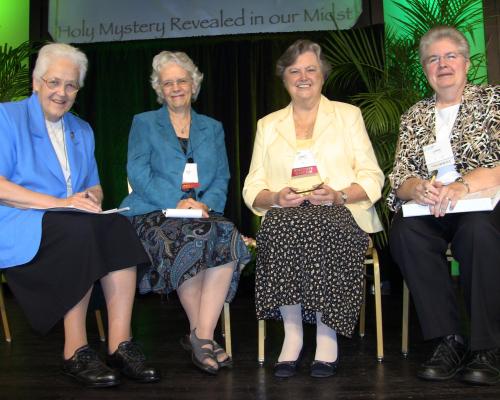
449 147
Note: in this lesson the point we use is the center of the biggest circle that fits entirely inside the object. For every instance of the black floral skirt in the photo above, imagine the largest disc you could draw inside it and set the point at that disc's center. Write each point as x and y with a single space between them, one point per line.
179 248
313 256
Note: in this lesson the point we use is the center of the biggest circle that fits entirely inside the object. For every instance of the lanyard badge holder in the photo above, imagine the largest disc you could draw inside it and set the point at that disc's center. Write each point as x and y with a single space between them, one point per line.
190 177
305 175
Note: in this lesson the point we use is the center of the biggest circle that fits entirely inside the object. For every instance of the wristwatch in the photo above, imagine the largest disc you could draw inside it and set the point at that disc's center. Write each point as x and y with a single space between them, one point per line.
461 180
343 196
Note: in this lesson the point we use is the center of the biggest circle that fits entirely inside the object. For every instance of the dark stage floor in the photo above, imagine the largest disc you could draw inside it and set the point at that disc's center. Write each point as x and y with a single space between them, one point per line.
29 366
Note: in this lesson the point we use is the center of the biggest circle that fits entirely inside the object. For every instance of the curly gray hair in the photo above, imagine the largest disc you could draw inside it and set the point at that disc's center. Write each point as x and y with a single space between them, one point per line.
181 59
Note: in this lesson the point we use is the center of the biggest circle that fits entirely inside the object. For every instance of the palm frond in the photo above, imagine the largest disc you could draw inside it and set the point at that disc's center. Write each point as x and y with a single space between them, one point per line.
359 52
422 15
381 110
14 74
477 62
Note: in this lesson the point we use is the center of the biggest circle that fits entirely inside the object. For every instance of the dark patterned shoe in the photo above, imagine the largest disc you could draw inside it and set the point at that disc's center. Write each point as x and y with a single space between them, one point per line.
482 368
323 369
445 362
130 360
86 367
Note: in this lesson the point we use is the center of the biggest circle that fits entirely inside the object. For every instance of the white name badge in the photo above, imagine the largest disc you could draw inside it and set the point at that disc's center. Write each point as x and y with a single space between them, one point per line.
304 163
438 154
190 176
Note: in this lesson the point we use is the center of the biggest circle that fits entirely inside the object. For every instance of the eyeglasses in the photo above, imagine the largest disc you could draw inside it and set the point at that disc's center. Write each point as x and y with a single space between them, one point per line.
310 69
448 58
183 82
55 83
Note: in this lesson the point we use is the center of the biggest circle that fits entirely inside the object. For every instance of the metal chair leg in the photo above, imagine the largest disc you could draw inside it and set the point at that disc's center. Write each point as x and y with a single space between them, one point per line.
262 339
222 327
362 313
372 258
378 306
100 325
406 318
227 330
3 312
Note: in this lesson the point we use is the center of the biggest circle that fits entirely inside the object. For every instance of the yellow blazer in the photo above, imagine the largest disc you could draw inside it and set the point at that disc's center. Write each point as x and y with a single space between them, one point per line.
341 148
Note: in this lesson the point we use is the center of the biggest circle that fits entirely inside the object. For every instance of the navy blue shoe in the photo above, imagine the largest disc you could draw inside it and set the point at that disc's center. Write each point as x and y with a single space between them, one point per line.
323 369
285 369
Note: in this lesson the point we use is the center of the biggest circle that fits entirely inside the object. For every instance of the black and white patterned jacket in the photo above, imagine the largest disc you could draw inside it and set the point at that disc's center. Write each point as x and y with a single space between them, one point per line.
475 137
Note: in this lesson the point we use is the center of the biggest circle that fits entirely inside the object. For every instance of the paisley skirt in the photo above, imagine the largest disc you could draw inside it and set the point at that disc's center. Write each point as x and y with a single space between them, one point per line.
179 248
313 256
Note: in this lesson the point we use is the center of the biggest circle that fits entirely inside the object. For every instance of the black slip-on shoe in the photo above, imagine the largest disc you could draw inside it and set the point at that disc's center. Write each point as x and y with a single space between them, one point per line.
285 369
323 369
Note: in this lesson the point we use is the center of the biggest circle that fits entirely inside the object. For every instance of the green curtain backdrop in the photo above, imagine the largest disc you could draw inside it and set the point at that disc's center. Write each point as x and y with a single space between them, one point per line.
239 87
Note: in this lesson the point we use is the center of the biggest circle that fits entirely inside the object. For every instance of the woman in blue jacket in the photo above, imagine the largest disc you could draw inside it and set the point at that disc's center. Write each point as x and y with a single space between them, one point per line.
52 259
177 159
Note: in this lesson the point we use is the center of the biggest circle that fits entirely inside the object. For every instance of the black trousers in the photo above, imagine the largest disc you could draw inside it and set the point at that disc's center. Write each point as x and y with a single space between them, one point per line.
419 244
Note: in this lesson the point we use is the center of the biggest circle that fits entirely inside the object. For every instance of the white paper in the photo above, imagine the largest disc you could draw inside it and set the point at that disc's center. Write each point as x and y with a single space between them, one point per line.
75 209
485 200
182 212
115 210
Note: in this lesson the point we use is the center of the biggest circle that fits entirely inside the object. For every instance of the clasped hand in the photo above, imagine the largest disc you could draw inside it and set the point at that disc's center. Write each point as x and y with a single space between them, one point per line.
192 203
438 196
84 200
286 197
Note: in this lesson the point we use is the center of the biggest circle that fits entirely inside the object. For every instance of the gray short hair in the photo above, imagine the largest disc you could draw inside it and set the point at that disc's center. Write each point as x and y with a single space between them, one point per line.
443 32
182 60
302 46
53 51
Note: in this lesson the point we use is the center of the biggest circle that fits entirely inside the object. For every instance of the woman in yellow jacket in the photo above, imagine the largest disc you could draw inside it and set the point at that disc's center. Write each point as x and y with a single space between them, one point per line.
315 177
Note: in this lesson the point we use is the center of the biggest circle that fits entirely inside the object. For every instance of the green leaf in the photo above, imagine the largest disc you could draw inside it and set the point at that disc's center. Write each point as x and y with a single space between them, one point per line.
14 73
